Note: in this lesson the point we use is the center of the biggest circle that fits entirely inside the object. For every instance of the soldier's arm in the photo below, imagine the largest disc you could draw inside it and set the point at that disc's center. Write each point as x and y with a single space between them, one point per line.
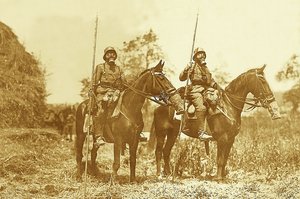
210 80
97 74
184 74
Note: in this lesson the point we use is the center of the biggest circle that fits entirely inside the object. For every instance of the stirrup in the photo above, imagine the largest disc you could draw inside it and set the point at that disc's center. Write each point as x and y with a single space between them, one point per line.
203 136
142 138
100 141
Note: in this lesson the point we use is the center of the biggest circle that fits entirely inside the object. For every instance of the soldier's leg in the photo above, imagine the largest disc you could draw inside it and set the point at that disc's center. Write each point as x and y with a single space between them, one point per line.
197 101
177 103
98 123
140 127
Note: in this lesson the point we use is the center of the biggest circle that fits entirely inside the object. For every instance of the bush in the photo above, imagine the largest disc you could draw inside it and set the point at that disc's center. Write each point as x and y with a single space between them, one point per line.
263 147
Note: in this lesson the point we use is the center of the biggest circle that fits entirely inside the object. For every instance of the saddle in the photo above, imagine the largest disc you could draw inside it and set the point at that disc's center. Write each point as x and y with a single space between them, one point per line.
211 98
115 107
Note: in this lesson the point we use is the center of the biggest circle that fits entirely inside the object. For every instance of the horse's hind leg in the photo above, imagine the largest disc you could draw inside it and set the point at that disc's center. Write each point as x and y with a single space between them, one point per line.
171 138
158 151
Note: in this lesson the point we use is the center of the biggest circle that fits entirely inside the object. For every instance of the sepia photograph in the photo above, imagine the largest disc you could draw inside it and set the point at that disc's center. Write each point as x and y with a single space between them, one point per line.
150 99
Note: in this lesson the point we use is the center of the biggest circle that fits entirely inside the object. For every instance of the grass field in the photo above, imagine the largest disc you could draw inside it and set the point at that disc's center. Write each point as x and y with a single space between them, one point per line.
264 163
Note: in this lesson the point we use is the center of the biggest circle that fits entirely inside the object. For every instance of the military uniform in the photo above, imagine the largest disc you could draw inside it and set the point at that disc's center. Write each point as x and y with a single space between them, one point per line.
107 85
201 79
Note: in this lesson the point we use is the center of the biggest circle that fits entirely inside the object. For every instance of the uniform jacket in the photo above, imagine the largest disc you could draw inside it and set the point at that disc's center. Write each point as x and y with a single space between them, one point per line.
199 75
106 78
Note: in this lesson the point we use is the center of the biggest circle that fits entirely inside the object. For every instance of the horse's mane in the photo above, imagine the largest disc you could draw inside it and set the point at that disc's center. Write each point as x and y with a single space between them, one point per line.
238 81
142 73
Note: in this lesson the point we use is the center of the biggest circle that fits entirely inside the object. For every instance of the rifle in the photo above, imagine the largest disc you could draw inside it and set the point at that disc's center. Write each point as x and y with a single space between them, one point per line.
185 90
188 74
91 102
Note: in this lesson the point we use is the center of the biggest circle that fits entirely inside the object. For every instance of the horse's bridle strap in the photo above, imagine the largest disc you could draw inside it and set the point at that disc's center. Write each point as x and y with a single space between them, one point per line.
146 95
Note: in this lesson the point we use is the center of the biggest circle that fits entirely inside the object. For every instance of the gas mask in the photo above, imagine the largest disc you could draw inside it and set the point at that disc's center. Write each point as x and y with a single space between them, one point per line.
110 57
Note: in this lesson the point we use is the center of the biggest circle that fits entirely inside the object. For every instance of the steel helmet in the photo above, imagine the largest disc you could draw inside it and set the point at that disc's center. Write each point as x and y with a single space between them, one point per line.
197 51
107 49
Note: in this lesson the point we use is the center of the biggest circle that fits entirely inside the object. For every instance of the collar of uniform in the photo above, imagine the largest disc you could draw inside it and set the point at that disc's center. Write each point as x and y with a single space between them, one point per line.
106 65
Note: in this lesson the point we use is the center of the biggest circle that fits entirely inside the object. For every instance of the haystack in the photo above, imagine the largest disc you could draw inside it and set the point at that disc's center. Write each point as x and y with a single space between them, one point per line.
22 83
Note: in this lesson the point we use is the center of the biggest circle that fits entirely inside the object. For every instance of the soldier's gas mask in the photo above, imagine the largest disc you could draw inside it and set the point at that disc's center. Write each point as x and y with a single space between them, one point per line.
200 57
110 57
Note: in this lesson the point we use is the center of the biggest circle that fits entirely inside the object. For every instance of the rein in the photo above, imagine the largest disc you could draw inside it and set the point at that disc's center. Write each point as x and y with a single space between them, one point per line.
246 101
253 102
147 95
144 94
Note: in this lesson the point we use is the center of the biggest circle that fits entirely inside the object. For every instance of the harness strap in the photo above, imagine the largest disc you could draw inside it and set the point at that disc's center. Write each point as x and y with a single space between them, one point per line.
144 94
225 114
253 105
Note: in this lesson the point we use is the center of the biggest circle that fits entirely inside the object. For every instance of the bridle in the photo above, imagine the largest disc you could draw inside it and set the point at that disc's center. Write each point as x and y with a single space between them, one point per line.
162 98
263 100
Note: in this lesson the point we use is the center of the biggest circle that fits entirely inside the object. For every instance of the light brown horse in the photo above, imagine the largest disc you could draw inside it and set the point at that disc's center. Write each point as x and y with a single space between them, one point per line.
223 128
128 125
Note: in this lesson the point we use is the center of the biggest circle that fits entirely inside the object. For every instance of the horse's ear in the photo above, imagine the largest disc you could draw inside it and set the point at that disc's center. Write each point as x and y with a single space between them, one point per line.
163 63
261 70
159 63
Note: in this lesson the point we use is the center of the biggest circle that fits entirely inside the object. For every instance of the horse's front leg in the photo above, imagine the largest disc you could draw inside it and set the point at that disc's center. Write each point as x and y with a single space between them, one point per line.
222 157
117 153
132 151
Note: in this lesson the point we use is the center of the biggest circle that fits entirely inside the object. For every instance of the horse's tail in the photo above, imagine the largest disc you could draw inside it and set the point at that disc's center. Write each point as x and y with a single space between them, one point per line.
79 118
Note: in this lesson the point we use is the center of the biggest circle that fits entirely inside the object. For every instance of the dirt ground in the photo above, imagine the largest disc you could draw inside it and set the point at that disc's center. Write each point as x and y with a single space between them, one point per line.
39 163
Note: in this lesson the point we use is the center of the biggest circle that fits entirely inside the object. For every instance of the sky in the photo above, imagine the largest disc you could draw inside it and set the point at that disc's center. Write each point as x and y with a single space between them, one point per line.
236 34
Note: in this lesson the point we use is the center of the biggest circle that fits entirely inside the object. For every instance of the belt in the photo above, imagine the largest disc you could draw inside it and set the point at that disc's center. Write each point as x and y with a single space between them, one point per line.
107 85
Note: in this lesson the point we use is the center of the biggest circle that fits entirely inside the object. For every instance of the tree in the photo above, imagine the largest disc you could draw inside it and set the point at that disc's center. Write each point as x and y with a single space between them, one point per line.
221 77
293 96
85 88
291 71
139 53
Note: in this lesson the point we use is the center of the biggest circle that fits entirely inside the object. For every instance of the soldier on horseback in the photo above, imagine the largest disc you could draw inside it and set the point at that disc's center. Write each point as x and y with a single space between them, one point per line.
107 86
201 79
108 83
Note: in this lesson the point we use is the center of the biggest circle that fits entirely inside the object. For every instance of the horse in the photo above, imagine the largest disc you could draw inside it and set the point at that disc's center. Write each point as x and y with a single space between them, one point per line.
63 124
224 127
128 125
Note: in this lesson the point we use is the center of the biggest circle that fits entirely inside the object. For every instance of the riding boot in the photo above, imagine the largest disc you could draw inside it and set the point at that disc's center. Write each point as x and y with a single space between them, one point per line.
177 103
98 131
202 134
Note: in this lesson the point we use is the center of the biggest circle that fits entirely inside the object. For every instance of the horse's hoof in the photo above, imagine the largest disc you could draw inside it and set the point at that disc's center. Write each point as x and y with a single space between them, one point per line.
132 181
218 178
113 180
78 178
159 177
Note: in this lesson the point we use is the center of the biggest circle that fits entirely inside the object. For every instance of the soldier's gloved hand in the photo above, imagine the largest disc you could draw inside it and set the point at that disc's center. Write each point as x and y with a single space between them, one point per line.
91 93
188 67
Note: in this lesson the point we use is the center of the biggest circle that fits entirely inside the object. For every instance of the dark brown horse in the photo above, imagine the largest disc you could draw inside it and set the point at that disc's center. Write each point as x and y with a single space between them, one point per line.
127 126
223 128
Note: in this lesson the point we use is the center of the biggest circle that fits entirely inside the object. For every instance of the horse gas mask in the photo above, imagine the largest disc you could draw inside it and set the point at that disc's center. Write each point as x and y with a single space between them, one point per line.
265 95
